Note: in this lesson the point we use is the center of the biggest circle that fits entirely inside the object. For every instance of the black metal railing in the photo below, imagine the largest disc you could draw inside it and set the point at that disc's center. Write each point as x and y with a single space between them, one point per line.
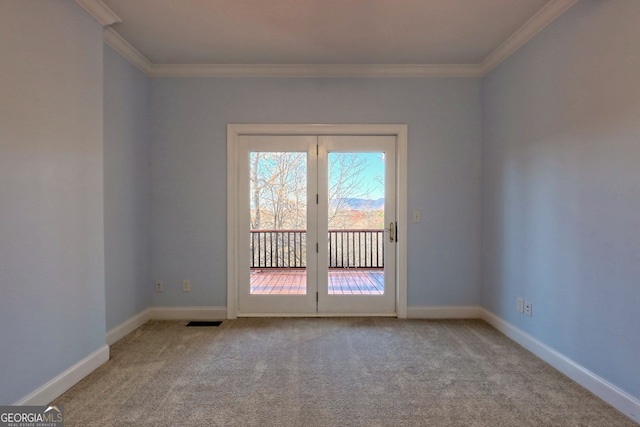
359 248
278 248
356 248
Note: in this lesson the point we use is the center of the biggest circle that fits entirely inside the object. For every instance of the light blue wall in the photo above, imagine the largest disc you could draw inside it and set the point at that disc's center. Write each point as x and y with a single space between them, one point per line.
561 218
127 191
189 180
52 302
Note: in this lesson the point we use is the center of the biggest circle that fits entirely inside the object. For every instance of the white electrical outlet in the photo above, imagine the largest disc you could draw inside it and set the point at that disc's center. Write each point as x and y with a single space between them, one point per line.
416 216
186 285
521 305
528 308
159 286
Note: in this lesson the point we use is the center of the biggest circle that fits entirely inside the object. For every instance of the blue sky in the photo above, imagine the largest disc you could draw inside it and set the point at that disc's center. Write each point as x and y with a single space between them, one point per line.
373 174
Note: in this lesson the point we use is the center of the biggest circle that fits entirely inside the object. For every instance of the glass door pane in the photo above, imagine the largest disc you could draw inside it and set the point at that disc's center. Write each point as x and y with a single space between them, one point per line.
278 222
356 223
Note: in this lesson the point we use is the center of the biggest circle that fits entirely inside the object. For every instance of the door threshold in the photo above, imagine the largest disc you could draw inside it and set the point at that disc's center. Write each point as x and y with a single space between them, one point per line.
317 314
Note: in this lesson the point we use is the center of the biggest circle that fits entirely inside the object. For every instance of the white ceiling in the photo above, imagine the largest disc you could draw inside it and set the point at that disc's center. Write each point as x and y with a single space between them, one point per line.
326 32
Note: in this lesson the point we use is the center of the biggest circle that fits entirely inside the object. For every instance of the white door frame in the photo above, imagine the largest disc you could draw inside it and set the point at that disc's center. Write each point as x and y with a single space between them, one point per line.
233 198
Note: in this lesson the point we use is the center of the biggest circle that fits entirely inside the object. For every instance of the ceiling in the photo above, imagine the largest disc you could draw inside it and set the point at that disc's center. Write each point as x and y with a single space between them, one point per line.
253 34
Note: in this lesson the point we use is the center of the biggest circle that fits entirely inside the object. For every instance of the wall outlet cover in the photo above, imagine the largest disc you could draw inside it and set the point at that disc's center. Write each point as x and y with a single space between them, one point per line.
528 308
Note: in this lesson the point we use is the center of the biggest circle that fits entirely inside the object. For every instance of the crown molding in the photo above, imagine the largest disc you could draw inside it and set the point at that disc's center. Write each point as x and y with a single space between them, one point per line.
123 47
313 70
100 12
550 12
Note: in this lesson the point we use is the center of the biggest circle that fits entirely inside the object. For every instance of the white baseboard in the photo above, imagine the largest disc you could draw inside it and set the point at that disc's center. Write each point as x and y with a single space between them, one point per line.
44 394
128 326
435 312
619 399
188 313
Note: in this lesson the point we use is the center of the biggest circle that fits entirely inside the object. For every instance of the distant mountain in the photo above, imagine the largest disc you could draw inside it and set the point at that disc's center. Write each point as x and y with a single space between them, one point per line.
358 204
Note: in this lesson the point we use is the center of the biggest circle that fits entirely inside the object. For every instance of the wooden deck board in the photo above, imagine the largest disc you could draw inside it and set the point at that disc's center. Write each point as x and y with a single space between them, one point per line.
341 282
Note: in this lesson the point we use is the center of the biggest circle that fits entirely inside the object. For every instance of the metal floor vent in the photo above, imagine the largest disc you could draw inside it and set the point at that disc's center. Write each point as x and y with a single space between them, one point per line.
196 323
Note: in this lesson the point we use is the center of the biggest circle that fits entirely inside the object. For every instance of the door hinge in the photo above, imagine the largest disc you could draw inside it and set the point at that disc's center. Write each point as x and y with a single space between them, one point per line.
317 199
317 247
317 149
317 299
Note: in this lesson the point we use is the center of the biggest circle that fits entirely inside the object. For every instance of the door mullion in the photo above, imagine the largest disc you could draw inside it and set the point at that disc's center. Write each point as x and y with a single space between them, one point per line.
312 221
322 226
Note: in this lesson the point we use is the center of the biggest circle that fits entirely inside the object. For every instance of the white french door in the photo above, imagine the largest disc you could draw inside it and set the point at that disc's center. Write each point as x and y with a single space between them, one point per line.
357 253
278 224
316 225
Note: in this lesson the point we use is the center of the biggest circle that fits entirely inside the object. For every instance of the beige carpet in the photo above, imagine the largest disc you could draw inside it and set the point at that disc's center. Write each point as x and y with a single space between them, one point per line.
329 372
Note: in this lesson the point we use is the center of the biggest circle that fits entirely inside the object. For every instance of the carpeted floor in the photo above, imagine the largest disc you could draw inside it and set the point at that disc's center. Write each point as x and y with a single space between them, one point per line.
328 372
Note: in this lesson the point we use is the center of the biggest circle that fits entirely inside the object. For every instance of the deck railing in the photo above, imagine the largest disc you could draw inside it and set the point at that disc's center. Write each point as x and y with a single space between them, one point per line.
358 248
278 248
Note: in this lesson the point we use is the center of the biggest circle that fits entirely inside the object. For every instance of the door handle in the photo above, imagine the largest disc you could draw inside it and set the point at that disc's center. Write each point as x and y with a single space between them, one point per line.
392 231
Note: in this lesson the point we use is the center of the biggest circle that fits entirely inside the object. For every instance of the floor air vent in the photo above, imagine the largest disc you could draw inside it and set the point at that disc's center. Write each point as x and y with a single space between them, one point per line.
216 323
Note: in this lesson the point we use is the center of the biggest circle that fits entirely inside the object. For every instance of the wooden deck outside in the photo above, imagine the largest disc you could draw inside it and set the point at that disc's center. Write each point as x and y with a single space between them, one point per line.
341 282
